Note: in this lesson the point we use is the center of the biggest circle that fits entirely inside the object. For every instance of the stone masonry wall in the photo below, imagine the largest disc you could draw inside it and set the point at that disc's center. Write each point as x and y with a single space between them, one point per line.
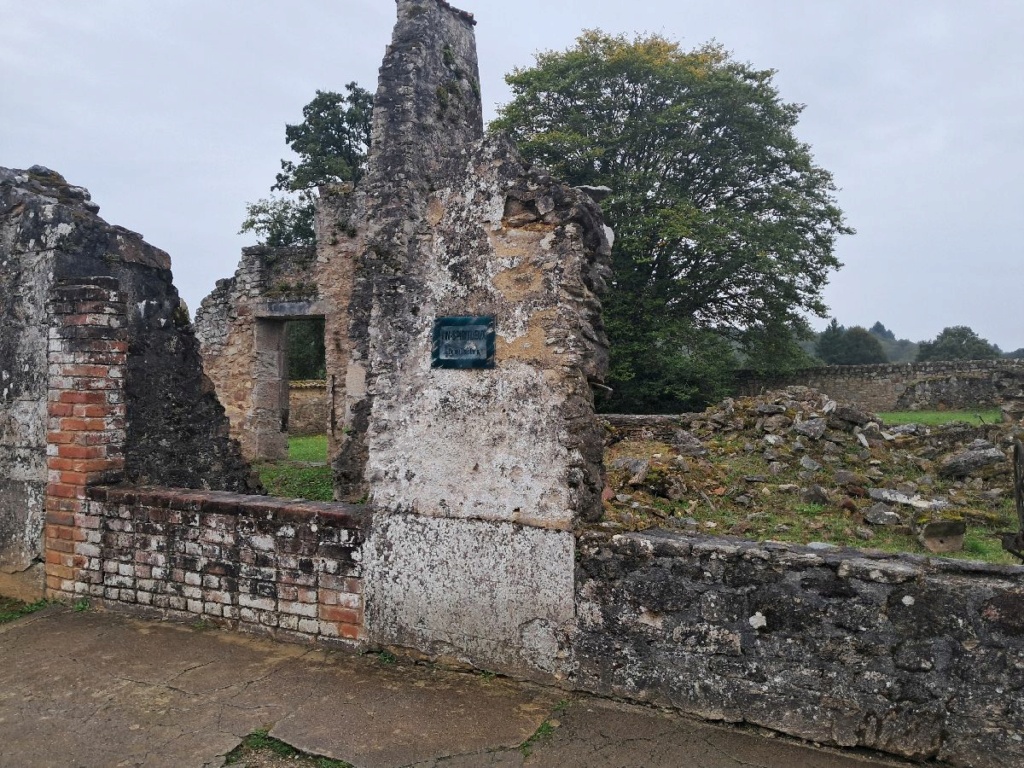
240 328
308 408
69 281
287 569
477 477
955 385
24 289
339 242
914 656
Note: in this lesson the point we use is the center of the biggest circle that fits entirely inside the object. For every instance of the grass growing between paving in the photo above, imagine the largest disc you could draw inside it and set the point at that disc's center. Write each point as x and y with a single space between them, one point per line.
261 750
305 475
11 609
937 418
545 730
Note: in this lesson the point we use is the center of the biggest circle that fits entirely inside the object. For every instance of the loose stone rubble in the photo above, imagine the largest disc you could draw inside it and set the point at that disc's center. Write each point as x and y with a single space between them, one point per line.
735 466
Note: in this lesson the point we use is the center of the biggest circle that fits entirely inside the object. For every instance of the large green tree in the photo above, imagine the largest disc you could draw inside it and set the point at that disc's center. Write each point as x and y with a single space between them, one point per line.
724 225
830 341
957 342
331 143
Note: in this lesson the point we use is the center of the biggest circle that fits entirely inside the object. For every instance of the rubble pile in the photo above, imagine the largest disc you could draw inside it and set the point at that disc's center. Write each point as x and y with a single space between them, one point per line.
796 465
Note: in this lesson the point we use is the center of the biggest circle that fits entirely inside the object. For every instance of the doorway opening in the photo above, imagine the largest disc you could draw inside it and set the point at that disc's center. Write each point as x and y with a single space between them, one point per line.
298 467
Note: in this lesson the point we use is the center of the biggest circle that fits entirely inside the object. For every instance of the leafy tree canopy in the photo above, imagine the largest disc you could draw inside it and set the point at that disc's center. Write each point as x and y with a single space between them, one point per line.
305 345
860 347
332 143
332 140
882 332
896 350
724 225
849 346
828 347
1017 354
957 343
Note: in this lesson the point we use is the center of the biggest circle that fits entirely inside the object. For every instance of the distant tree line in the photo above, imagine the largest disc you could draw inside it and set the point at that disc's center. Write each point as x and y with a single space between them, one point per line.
837 345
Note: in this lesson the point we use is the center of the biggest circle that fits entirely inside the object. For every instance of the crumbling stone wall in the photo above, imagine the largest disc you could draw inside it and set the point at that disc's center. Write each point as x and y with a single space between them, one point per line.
909 655
308 409
338 245
955 385
24 289
477 477
240 327
171 429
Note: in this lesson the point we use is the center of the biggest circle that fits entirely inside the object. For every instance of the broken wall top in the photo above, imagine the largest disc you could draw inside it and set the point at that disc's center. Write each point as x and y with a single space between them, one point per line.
42 211
51 233
452 223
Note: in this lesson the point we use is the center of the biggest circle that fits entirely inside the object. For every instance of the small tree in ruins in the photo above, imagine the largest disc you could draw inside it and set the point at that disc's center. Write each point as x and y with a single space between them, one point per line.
332 143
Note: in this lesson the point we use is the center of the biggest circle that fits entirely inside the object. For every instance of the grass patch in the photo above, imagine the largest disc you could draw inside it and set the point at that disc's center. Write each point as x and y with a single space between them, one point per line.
11 609
313 448
546 729
305 475
543 733
297 481
261 742
938 418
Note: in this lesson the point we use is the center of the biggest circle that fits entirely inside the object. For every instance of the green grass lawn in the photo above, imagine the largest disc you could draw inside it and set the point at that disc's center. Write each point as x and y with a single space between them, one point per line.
308 448
937 418
305 475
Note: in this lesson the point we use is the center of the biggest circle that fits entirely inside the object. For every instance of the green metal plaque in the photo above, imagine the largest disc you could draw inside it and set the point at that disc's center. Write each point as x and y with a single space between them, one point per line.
463 342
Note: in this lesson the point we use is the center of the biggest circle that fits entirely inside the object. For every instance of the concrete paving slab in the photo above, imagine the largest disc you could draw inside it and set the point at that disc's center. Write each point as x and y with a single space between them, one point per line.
594 733
98 689
95 690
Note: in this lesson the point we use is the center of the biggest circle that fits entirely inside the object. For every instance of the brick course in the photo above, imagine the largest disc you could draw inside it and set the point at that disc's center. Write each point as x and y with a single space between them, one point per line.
86 355
290 569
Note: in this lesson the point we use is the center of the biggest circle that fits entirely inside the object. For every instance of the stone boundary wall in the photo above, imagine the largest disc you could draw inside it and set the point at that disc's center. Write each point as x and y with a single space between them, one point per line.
916 656
308 408
953 385
288 569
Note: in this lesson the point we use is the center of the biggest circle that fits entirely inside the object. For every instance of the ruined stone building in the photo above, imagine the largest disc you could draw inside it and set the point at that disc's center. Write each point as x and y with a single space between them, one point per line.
459 290
479 475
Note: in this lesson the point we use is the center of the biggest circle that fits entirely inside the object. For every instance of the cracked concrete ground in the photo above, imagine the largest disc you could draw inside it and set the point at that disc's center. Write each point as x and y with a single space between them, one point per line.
95 690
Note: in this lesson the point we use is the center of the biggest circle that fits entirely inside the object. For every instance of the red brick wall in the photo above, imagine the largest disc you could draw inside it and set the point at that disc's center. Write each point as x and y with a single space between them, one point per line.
290 569
85 411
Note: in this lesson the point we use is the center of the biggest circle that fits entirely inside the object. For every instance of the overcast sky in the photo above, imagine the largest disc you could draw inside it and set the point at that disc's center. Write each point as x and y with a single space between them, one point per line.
172 113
